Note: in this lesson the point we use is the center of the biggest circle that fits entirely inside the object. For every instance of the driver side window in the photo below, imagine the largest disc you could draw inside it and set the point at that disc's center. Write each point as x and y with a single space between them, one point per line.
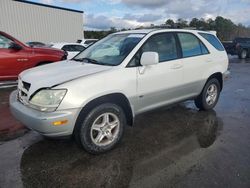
164 44
4 42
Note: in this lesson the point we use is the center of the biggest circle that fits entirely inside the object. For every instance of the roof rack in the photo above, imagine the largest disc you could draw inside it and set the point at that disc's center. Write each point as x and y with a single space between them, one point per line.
166 26
163 26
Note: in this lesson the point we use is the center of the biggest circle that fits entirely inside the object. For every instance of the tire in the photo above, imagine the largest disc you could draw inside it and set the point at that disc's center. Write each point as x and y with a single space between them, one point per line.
96 132
202 101
243 54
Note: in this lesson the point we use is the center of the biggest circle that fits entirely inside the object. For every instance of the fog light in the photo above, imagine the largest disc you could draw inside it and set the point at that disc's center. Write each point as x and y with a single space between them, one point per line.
58 123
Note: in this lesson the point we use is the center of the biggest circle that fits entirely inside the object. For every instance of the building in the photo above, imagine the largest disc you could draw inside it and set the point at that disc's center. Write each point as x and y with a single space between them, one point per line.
29 21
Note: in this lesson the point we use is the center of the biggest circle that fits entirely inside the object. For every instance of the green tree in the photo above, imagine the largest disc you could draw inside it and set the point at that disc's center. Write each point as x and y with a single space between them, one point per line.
181 23
194 23
211 24
224 28
170 22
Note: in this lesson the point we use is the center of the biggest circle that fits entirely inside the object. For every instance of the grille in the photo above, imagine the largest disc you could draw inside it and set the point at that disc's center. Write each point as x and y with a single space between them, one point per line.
23 89
26 85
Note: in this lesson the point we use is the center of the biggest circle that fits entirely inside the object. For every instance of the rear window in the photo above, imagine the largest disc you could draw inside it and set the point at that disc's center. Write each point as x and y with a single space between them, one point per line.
213 41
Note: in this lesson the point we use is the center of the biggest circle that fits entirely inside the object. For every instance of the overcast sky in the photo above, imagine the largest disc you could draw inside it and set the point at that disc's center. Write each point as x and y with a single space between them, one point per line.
103 14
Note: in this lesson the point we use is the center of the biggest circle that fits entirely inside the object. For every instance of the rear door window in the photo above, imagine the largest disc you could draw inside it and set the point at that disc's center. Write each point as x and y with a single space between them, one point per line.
204 49
191 45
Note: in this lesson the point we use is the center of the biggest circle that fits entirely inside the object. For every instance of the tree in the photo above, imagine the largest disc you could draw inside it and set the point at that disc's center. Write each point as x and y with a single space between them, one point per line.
181 23
224 28
113 30
170 22
211 24
194 23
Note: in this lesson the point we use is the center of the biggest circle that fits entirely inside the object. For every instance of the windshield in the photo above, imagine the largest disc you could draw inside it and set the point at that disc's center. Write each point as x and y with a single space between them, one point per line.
111 50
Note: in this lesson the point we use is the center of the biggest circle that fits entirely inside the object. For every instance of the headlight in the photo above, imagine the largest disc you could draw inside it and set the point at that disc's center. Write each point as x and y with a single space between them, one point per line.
47 99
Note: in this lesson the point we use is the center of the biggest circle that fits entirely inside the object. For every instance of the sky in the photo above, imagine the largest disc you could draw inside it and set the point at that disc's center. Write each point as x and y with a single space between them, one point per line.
103 14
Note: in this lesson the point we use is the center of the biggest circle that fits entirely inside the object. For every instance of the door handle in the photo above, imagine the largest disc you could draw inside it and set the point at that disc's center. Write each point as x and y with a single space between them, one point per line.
176 66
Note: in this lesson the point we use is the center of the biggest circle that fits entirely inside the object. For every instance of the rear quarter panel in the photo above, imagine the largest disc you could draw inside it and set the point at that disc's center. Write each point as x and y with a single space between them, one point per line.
219 60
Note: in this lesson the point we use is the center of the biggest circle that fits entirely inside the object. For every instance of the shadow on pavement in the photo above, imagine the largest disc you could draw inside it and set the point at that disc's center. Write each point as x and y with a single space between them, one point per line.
155 143
9 127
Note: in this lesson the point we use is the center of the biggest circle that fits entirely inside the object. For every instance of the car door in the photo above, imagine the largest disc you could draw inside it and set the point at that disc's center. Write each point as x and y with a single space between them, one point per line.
196 60
159 84
12 61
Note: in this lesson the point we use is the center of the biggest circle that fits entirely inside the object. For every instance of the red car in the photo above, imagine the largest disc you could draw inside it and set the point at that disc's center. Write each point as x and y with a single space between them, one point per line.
15 57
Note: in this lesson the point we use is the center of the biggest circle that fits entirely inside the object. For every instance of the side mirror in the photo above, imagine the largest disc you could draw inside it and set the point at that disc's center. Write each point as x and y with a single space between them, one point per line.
15 46
149 58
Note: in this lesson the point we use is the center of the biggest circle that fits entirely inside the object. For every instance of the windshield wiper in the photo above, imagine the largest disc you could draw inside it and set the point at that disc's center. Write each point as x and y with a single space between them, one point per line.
86 60
92 61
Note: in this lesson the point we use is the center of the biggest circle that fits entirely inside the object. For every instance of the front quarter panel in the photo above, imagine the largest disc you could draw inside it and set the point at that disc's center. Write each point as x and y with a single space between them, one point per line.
85 89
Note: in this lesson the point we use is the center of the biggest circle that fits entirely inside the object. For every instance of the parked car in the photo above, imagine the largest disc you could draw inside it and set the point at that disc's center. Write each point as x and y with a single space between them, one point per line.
15 57
94 97
71 48
239 46
87 42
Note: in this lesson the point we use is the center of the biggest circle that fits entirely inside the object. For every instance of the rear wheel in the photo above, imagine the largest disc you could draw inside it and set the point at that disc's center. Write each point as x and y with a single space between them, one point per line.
209 95
243 54
101 129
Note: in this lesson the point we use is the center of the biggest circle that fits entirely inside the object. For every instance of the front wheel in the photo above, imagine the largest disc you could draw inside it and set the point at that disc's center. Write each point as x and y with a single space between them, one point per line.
101 129
209 95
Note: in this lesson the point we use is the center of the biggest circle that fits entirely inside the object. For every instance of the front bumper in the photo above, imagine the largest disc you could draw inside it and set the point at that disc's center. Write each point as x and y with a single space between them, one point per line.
42 122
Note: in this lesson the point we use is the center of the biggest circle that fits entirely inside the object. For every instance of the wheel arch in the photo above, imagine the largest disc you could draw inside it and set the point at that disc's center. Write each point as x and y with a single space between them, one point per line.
116 98
218 76
43 63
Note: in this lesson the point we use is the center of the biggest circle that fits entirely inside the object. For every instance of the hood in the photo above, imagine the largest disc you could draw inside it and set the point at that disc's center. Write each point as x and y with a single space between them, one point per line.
57 73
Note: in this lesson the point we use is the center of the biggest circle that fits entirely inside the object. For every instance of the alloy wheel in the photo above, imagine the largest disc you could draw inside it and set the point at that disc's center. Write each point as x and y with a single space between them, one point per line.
105 129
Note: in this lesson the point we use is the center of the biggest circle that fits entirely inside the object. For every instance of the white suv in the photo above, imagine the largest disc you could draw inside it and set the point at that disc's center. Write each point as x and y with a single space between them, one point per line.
93 96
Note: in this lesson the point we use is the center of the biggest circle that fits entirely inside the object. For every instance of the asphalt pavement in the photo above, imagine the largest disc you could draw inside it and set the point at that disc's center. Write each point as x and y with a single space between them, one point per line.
177 146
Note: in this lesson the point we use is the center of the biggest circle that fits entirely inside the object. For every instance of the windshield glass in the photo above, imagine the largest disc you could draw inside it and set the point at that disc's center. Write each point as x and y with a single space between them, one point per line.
111 50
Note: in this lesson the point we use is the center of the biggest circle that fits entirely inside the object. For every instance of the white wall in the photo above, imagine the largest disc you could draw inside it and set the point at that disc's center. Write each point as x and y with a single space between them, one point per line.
28 22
